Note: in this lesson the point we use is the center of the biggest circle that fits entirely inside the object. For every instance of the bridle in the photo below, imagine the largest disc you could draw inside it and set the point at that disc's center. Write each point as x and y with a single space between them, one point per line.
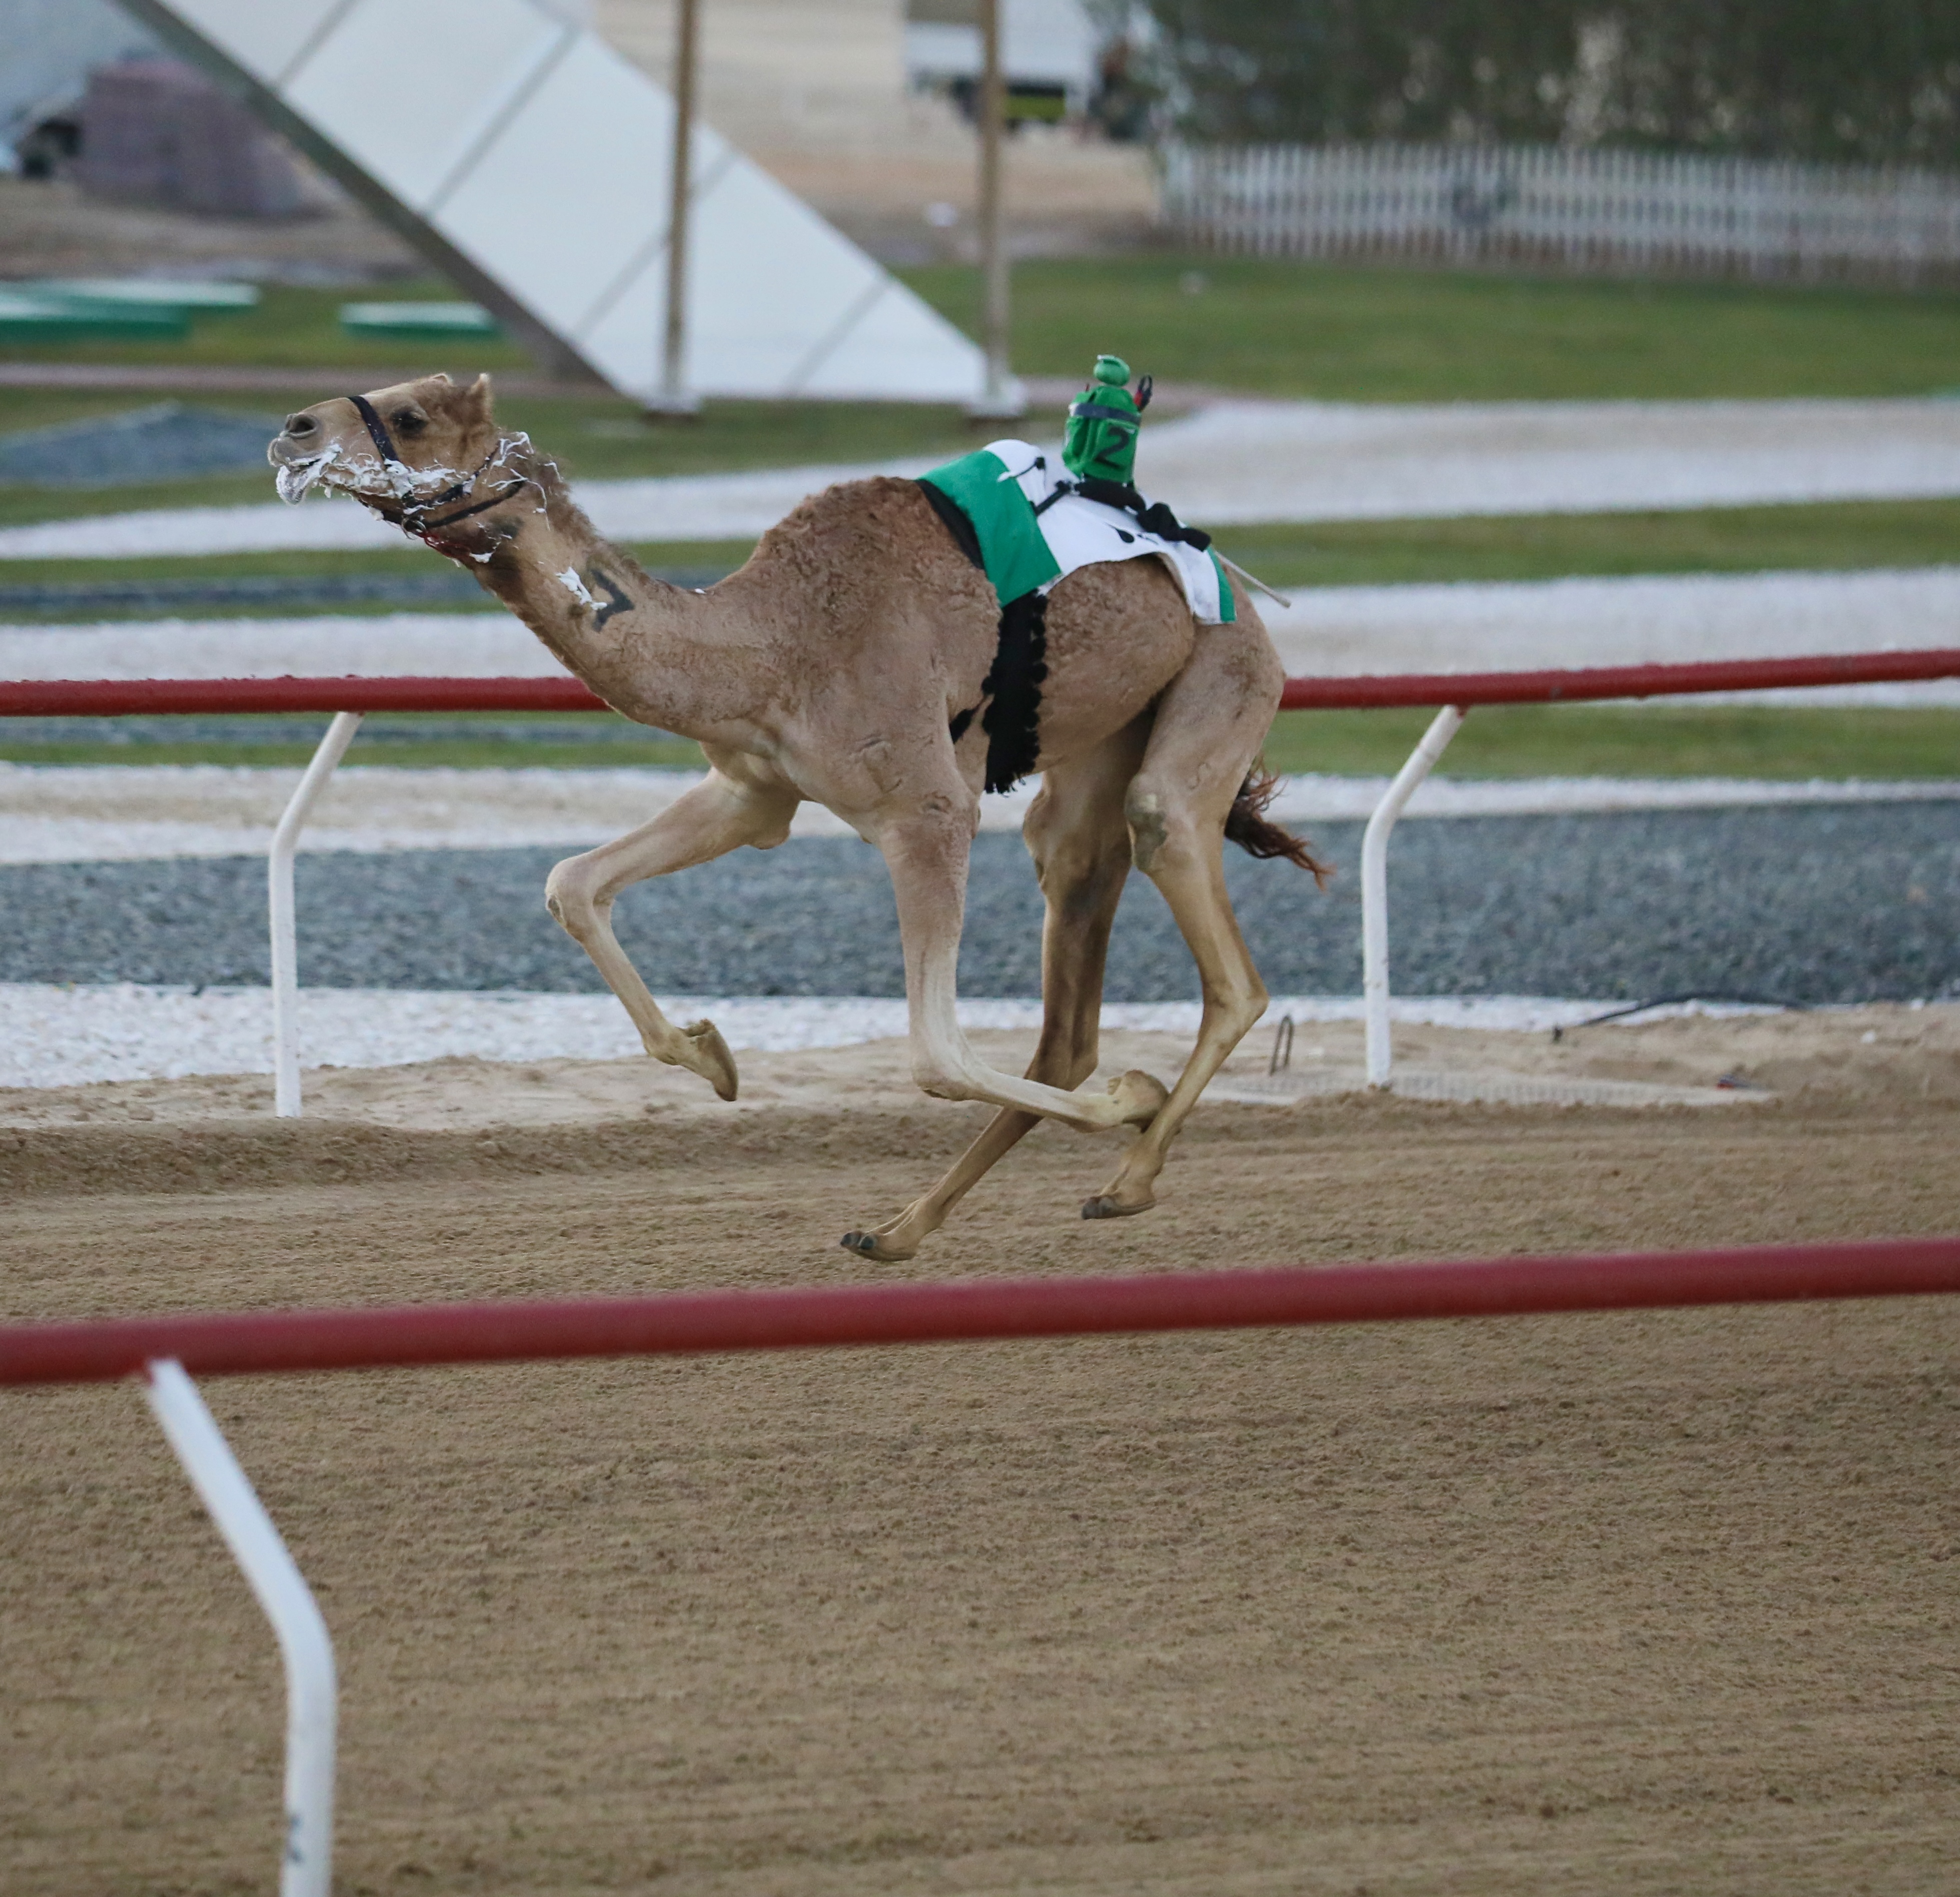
417 516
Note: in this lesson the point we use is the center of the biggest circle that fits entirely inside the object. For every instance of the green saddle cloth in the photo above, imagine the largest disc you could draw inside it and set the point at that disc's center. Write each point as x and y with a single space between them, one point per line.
1013 553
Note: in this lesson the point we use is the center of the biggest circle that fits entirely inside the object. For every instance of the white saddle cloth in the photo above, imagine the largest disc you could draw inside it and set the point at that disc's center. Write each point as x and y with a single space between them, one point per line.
1080 533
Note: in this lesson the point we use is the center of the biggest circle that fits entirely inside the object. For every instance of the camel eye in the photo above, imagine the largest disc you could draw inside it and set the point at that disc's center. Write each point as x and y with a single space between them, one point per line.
407 421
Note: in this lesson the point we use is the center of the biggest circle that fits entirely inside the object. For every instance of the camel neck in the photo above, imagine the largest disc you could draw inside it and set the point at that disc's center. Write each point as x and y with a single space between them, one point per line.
658 653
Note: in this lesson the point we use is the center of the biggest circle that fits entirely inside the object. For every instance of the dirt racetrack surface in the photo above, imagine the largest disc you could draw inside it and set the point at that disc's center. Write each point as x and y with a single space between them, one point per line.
1662 1602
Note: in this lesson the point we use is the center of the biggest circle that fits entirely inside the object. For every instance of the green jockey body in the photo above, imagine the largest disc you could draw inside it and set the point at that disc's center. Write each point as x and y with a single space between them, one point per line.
1104 422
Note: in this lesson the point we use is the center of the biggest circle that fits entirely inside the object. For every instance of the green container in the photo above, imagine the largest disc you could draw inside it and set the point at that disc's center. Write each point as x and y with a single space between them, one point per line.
142 296
409 321
40 319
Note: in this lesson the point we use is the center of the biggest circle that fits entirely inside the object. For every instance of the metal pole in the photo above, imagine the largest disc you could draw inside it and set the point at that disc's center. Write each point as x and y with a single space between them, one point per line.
279 902
674 398
1000 398
306 1869
1375 887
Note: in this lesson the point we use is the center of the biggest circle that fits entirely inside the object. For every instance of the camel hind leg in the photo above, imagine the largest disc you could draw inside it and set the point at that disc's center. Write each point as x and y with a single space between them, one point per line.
1210 726
1081 844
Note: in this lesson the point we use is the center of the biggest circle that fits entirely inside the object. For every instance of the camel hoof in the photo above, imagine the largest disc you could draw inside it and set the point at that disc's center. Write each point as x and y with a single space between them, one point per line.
870 1245
709 1057
1141 1095
1103 1206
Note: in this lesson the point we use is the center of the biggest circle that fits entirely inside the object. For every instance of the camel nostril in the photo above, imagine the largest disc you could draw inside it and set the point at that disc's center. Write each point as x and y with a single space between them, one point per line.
301 424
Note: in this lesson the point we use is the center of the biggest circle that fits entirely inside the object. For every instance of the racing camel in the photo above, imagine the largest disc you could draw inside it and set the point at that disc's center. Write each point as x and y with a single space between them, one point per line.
836 666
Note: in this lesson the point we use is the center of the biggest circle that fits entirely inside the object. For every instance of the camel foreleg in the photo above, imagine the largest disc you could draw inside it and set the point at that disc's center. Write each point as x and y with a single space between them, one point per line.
717 815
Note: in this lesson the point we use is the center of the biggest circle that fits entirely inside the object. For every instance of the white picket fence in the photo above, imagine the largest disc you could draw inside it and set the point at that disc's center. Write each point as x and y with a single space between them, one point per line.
1605 211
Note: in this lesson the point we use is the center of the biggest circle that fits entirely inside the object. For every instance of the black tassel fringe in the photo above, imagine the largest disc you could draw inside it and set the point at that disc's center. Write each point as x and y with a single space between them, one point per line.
1012 720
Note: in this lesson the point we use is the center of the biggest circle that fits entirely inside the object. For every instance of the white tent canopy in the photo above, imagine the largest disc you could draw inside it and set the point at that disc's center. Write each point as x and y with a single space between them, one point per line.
522 154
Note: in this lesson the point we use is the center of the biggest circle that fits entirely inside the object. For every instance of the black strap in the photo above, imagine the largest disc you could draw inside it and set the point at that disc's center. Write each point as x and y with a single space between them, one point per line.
1158 519
1153 517
503 493
377 430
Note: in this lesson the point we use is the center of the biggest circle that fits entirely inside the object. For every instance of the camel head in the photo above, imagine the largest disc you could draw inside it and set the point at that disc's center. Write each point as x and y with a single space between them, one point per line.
415 453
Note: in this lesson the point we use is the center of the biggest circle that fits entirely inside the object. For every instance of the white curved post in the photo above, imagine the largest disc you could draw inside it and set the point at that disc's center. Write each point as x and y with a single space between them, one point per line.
1375 887
279 895
306 1870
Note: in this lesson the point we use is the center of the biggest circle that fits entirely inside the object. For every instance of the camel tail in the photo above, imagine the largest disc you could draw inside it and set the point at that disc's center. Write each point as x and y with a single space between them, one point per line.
1248 825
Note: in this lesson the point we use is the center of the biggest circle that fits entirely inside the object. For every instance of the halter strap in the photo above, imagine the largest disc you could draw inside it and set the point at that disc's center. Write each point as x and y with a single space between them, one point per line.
415 515
463 513
377 430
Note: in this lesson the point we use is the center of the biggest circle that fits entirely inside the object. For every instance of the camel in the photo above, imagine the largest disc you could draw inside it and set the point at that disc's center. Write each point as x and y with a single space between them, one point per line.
834 667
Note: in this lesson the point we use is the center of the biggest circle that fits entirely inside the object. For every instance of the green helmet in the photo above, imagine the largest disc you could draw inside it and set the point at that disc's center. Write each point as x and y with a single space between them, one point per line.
1103 423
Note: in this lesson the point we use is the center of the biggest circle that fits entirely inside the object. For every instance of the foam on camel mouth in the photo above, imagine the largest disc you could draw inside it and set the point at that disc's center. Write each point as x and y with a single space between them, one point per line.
365 477
293 479
369 479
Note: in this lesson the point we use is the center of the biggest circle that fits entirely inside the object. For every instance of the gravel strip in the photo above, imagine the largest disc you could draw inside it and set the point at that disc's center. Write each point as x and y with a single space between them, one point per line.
1823 903
150 443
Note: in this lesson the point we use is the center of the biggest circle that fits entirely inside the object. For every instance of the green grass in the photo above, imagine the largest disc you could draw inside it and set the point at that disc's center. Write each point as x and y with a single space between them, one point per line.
1359 334
294 329
1344 332
1341 332
1838 535
1659 740
1497 741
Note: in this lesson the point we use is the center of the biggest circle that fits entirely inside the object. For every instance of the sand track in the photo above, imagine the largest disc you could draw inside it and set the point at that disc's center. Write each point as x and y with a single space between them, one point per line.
1626 1604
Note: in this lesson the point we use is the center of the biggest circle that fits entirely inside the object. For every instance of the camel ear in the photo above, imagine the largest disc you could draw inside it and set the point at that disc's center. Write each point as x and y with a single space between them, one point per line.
476 402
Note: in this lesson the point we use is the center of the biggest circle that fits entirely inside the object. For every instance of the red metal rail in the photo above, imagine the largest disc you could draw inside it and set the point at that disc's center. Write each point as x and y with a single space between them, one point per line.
1618 681
111 698
925 1313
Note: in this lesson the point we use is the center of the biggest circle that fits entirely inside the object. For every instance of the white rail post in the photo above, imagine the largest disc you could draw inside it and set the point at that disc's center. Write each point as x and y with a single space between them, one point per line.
306 1870
1375 887
279 902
